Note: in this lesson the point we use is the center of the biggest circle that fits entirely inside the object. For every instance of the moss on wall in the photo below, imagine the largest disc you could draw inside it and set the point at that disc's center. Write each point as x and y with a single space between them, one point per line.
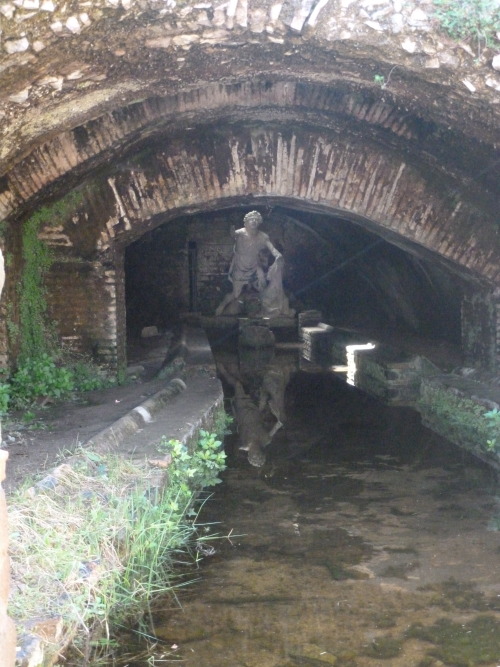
458 418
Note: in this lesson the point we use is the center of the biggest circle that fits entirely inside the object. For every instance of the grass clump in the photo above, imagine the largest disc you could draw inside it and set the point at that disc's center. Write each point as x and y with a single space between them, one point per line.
474 20
104 538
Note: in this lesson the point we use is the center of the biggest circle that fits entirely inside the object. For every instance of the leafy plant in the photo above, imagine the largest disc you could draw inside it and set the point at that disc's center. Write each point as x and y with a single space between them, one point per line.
476 20
201 467
493 419
4 398
87 376
46 377
40 377
222 422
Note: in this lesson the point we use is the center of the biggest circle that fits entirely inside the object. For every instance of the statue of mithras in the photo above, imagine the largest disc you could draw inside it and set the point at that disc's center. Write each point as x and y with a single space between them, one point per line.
247 269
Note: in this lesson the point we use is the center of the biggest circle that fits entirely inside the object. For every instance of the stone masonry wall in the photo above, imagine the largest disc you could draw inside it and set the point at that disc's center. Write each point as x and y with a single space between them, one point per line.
34 30
319 172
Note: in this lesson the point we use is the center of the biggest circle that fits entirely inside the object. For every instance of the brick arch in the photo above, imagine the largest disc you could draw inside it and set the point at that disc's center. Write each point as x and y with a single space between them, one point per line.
363 181
342 107
338 174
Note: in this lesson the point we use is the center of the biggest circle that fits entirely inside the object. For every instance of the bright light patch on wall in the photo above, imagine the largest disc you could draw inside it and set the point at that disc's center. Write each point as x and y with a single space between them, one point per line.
351 360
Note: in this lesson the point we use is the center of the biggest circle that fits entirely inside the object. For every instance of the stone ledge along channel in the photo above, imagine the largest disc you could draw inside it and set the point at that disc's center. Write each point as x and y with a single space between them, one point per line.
178 411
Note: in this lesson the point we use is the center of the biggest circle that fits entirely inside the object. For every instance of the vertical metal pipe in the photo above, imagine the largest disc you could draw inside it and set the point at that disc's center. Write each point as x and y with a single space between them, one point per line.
193 276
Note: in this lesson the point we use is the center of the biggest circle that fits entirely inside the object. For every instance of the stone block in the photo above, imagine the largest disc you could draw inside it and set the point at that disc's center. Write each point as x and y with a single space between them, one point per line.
149 332
255 335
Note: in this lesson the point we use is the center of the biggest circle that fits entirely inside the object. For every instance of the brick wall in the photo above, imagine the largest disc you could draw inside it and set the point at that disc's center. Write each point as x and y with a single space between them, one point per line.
82 301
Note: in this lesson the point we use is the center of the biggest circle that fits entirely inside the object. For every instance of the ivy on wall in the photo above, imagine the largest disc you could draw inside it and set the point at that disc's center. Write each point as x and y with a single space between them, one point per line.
36 338
32 298
43 370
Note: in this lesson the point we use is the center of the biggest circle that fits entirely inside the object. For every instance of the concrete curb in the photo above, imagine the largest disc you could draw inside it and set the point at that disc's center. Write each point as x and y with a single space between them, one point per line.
111 436
136 418
31 646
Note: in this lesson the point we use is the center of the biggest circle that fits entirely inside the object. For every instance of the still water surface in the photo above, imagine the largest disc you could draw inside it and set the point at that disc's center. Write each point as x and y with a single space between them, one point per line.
364 540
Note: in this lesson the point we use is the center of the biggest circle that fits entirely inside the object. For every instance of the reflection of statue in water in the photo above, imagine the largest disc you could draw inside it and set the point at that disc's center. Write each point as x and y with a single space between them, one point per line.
253 421
252 432
272 394
246 267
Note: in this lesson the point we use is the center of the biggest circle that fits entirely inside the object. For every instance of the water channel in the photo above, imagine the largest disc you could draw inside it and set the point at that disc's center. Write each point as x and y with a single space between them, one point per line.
364 539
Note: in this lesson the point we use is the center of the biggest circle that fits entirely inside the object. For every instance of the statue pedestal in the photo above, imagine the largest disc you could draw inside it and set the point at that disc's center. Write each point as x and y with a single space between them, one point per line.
255 333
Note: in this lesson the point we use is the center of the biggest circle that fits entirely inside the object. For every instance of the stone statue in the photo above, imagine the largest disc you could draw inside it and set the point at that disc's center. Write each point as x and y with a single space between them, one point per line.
246 267
273 299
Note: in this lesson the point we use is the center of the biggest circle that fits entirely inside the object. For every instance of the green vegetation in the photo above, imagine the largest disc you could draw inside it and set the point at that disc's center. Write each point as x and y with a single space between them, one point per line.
97 541
476 642
493 421
474 20
4 397
42 378
42 371
35 339
35 334
459 419
199 469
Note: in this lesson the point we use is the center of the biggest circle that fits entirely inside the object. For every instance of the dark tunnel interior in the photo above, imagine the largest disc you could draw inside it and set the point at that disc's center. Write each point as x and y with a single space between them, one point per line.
355 277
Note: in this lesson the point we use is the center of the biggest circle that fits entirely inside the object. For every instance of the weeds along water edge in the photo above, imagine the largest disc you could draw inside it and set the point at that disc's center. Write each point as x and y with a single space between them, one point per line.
93 552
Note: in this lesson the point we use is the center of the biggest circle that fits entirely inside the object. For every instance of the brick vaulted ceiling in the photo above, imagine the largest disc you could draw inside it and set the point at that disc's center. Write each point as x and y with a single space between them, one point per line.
358 107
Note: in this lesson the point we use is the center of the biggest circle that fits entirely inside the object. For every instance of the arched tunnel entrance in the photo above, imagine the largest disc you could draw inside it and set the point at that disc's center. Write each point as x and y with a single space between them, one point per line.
354 277
368 284
135 133
351 215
